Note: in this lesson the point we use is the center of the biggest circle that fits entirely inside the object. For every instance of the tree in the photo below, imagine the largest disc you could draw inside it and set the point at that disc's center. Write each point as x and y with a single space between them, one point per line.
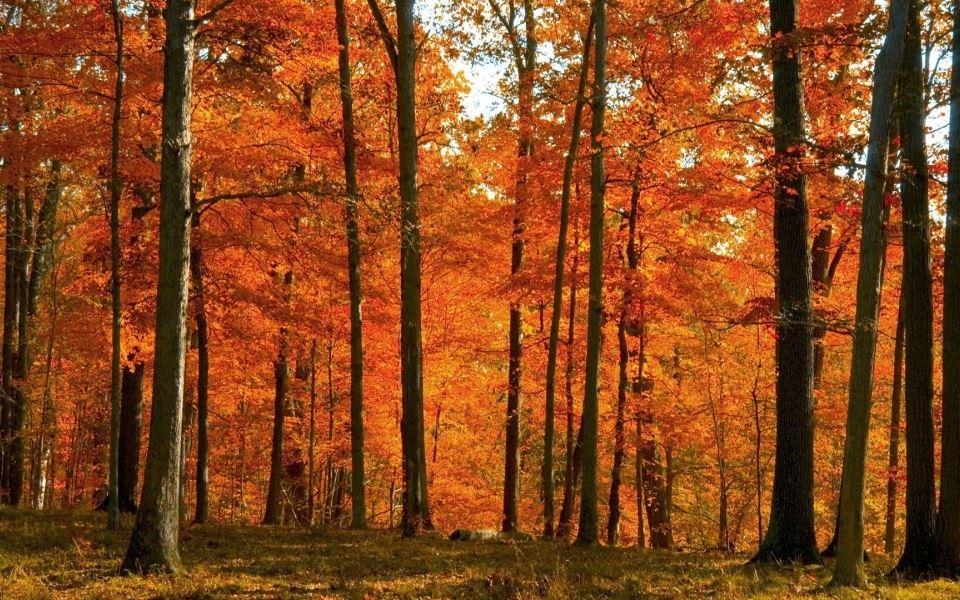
201 513
918 552
154 544
849 565
790 532
589 519
359 514
403 55
948 515
554 341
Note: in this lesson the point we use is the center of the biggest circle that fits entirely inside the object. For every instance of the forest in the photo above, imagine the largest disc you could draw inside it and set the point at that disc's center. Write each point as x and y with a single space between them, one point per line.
480 298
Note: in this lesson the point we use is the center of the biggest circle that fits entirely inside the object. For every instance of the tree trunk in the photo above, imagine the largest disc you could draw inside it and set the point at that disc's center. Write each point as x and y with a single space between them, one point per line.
568 165
128 448
273 513
790 532
203 377
572 449
153 545
849 565
311 458
918 552
116 191
893 462
619 449
588 530
948 517
358 518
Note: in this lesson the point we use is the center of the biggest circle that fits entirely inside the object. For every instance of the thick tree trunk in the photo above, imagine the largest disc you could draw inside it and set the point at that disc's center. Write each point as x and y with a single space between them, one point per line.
893 453
358 518
918 552
790 532
588 530
948 517
551 384
116 191
849 565
203 378
153 545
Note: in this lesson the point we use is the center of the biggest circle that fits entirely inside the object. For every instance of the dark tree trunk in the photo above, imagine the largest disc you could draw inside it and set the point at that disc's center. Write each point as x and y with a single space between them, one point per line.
525 64
893 453
918 552
568 165
358 518
619 444
273 514
131 417
948 517
153 545
116 191
790 532
588 530
572 448
203 377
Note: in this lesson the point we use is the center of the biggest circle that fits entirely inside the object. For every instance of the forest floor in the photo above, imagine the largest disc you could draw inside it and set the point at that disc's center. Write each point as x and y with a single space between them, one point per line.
71 555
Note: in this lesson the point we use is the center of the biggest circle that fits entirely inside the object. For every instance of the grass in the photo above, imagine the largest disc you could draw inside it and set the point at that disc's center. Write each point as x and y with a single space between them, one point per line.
71 555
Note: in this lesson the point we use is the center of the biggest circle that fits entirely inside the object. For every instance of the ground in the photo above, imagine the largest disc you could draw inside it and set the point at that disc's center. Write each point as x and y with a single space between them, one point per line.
71 555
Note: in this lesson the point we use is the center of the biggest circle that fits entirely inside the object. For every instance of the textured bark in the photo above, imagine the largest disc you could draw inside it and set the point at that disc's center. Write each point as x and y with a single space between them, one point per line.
918 552
588 530
849 565
790 532
551 376
948 516
358 518
153 544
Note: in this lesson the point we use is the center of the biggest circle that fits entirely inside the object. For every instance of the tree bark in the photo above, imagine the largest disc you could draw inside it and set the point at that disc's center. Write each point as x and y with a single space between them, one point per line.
790 532
565 193
358 518
128 448
153 544
572 449
116 191
918 552
948 517
849 565
893 461
203 378
588 531
273 513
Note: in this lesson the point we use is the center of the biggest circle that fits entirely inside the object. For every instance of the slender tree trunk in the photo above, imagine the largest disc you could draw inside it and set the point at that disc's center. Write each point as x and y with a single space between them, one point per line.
153 545
273 514
948 517
638 388
588 531
790 532
203 378
918 552
849 564
116 191
131 416
358 518
312 478
568 165
526 75
619 444
573 445
893 462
